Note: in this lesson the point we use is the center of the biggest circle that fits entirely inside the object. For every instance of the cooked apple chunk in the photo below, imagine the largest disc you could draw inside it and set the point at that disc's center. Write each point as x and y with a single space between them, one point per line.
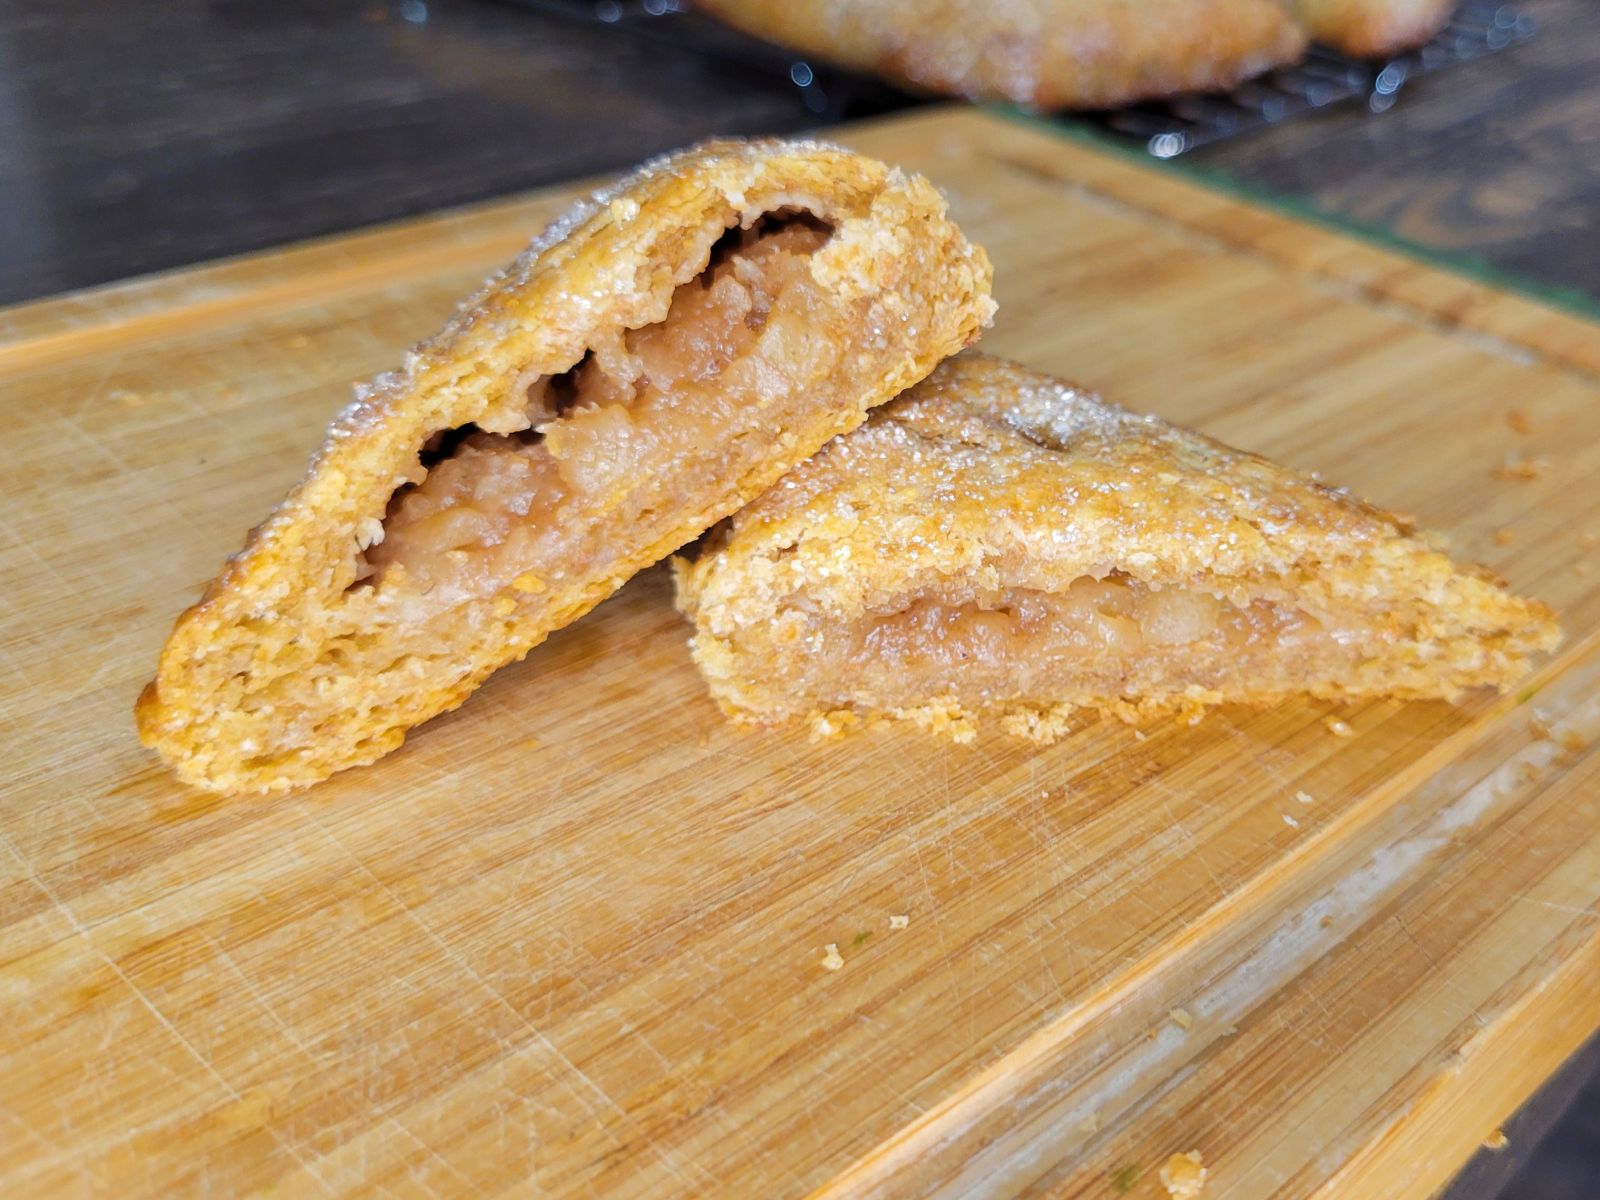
657 358
998 542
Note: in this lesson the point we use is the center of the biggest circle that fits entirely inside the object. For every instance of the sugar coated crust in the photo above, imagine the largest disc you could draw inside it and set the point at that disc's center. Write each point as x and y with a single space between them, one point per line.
998 476
1040 53
280 675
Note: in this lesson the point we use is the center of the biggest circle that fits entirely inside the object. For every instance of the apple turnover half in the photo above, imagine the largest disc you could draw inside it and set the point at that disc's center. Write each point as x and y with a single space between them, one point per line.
996 541
658 357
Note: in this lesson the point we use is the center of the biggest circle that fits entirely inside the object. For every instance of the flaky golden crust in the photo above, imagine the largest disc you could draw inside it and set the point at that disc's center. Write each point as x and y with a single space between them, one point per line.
998 477
1372 28
1040 53
280 675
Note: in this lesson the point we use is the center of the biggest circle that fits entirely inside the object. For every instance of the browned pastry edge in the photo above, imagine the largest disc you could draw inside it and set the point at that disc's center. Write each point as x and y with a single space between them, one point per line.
613 261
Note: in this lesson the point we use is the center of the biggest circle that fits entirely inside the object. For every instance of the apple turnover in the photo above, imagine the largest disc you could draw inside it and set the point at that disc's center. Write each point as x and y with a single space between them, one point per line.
1041 53
655 359
997 542
1049 54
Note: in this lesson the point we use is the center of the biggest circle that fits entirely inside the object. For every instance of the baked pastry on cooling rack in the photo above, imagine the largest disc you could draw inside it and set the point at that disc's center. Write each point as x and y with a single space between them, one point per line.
998 543
655 359
1049 54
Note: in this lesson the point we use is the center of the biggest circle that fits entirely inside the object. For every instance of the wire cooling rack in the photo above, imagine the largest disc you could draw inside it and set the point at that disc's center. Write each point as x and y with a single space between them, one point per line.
1167 128
1164 128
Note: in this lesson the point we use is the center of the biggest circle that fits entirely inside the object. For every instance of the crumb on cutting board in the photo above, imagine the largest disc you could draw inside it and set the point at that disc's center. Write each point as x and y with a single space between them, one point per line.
828 726
1182 1018
899 920
831 961
1184 1175
1522 467
1290 821
1339 727
1496 1141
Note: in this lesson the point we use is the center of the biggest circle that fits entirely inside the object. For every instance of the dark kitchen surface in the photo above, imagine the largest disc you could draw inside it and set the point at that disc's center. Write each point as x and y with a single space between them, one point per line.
137 137
1496 160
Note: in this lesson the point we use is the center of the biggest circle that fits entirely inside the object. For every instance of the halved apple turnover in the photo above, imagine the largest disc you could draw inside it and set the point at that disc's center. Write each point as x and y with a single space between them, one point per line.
996 541
657 358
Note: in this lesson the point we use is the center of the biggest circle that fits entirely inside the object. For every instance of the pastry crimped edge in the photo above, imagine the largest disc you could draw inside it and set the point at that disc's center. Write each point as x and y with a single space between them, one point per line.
1086 56
837 529
612 261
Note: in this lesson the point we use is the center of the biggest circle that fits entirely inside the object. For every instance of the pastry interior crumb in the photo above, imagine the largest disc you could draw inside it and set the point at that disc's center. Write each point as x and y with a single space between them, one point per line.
643 417
1113 634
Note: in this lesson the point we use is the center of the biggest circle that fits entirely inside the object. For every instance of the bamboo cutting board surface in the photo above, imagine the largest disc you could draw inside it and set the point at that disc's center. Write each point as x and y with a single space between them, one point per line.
569 940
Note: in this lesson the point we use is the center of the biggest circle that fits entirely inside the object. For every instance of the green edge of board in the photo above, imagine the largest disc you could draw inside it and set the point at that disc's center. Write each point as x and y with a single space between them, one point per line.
1470 266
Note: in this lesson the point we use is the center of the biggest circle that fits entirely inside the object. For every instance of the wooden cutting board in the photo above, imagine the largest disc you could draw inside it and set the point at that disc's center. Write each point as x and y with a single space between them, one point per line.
569 941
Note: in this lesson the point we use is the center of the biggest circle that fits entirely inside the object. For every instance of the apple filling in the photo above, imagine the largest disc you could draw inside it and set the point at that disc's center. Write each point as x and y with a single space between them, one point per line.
1106 636
629 435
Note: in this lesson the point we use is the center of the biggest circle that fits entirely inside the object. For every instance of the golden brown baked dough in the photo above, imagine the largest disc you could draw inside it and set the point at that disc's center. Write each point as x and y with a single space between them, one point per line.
1078 53
1371 28
656 358
995 541
1040 53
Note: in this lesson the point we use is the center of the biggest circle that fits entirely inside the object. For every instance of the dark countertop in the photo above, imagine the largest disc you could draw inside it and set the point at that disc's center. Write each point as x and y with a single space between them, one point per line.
1496 160
138 137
